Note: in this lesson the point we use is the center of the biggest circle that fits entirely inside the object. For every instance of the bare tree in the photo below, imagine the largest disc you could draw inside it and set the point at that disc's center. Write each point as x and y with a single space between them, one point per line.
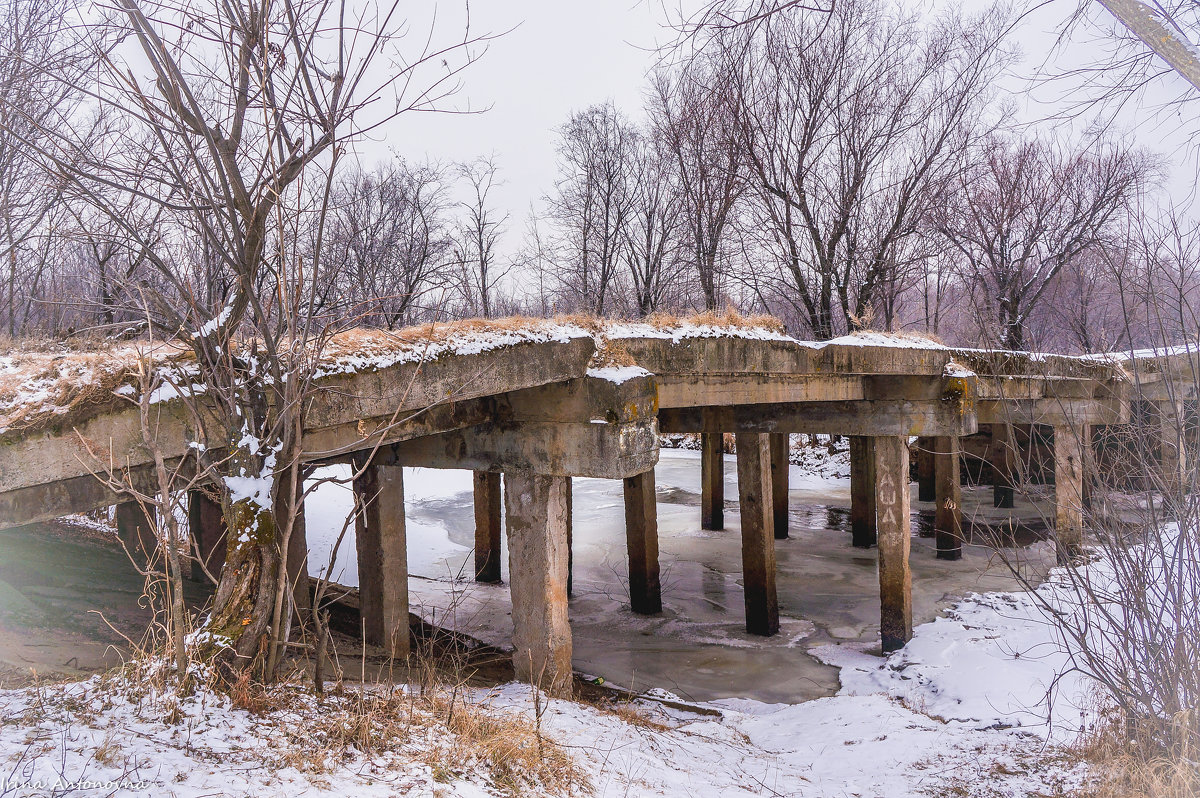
387 241
39 64
592 204
230 118
1029 210
693 117
479 230
850 120
652 246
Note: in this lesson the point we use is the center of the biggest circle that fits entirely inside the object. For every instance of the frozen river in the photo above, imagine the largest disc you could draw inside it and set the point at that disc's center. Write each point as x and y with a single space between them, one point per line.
697 648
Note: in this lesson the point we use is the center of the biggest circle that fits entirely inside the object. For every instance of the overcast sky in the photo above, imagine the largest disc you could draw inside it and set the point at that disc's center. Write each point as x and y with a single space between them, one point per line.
563 55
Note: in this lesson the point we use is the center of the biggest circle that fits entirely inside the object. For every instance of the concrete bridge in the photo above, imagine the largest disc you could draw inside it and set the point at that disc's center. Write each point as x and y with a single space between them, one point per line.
534 405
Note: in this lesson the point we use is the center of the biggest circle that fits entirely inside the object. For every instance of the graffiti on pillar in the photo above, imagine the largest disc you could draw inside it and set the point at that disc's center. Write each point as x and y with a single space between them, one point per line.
886 496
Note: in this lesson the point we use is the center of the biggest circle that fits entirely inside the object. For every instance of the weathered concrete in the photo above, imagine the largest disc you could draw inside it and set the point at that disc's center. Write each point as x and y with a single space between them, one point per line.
1068 493
1172 445
641 536
924 453
570 537
207 526
892 417
1003 456
297 570
712 480
137 530
862 491
758 539
780 467
382 557
892 519
487 527
536 512
947 522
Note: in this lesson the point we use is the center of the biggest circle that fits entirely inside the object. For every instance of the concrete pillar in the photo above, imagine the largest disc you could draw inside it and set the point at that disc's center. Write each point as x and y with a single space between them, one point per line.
758 539
206 523
779 483
926 487
382 557
948 516
862 491
892 508
536 510
487 527
570 537
641 536
1173 452
1068 493
137 530
1003 456
712 480
297 567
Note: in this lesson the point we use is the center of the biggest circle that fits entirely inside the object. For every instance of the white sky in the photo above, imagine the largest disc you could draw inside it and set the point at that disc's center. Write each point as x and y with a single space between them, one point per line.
563 55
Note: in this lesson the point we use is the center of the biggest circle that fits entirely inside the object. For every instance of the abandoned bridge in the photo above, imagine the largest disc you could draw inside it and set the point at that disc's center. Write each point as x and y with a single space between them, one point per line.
529 406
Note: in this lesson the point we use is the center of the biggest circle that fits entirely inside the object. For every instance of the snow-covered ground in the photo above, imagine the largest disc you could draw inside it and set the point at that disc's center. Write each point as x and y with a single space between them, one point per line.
964 709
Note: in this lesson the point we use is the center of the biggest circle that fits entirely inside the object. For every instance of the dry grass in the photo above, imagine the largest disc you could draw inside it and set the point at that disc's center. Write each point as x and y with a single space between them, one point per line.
1127 767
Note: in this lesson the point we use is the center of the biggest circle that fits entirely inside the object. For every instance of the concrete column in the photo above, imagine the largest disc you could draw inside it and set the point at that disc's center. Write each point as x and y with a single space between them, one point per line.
641 536
712 480
297 567
1173 452
926 487
1068 493
948 517
1002 457
779 483
570 537
383 557
862 491
136 528
758 539
892 508
487 527
206 523
536 508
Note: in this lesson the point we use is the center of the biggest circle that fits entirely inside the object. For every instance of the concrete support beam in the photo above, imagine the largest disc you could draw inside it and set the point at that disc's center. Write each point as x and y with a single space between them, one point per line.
892 507
487 526
536 510
1003 459
948 495
641 536
862 491
206 523
137 530
780 467
382 557
758 539
926 491
862 417
712 480
1068 493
